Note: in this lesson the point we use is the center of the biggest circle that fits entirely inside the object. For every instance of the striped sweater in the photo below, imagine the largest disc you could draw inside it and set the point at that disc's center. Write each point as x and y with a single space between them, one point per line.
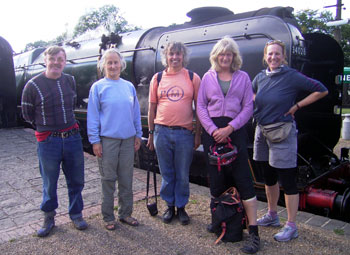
48 104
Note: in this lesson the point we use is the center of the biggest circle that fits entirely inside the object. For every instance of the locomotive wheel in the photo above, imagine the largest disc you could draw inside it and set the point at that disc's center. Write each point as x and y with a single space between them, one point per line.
345 204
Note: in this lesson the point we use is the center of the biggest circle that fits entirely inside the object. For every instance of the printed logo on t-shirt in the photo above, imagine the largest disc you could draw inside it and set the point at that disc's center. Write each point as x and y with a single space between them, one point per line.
174 94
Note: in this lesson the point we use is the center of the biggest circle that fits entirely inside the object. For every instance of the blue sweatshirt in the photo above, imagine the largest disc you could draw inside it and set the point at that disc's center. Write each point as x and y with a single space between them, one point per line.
113 110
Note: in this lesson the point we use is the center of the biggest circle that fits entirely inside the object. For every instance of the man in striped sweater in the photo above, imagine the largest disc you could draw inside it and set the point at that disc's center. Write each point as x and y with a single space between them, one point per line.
48 101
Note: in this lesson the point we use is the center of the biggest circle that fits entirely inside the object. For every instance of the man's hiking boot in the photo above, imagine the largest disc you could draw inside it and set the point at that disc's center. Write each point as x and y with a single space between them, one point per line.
49 223
252 244
267 220
80 223
169 214
183 216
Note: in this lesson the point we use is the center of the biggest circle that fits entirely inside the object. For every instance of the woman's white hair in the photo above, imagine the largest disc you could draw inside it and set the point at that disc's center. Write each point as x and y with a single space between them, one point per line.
101 64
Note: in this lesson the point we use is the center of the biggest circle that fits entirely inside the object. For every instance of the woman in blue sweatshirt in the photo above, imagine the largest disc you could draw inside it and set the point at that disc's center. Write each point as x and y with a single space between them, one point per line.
114 130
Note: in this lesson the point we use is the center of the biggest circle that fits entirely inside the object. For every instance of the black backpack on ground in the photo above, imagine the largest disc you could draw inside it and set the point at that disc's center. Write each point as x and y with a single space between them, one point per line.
228 216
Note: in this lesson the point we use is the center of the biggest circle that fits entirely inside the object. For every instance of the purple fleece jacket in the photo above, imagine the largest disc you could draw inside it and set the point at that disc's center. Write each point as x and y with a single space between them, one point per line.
237 104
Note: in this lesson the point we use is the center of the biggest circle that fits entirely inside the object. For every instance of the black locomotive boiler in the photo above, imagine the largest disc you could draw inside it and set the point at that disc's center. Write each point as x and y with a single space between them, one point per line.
323 179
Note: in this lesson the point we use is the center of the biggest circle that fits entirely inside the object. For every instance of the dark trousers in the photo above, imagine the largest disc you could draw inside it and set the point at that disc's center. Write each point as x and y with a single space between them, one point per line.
235 174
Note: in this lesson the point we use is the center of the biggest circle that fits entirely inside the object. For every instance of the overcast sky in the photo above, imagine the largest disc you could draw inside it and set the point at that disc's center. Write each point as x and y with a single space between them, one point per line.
25 21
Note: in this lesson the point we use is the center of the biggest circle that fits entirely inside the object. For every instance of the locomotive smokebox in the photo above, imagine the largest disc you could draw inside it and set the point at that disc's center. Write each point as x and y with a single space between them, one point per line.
7 86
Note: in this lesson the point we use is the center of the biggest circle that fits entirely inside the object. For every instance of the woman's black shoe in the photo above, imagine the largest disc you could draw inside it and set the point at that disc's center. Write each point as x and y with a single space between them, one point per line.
252 244
169 214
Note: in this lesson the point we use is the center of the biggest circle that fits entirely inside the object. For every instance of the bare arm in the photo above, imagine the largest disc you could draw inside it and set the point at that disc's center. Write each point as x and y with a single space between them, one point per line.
313 97
152 108
198 130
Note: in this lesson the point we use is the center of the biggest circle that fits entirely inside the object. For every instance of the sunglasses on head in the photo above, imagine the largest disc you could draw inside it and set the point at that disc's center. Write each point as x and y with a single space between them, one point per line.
274 42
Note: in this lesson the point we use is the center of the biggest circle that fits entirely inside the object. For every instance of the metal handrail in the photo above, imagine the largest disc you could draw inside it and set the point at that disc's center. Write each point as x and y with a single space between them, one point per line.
72 61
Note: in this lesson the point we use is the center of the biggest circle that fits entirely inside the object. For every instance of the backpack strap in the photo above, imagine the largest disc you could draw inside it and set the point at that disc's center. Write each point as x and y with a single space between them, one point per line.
160 75
223 232
190 73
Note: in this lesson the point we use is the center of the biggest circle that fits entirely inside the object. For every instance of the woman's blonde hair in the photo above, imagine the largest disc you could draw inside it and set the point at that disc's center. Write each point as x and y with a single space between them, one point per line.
101 64
226 44
175 46
281 44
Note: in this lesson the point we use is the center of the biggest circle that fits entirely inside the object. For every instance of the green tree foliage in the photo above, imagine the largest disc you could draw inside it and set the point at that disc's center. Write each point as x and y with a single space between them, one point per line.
34 45
57 41
60 39
345 43
107 16
314 21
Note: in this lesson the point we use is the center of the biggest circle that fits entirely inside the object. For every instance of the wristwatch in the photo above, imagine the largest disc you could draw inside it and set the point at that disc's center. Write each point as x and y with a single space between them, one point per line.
150 132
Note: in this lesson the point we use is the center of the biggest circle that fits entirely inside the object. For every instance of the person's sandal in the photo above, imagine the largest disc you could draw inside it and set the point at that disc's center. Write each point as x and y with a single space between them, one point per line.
111 225
130 221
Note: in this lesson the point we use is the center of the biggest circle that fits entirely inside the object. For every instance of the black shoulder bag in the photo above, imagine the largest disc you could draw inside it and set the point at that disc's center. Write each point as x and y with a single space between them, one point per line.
152 207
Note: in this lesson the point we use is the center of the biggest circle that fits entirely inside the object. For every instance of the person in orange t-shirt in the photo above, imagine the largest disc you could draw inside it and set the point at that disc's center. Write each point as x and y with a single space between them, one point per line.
170 122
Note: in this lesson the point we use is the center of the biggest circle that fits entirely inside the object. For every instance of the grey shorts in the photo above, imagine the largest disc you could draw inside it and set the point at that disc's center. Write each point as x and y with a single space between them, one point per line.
279 155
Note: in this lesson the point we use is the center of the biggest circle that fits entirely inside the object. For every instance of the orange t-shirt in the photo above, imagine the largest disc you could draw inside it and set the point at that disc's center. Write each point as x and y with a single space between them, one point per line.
175 96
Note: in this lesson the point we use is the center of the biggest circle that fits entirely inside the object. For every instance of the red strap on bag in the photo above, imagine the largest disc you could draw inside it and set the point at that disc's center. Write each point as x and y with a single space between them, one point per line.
223 227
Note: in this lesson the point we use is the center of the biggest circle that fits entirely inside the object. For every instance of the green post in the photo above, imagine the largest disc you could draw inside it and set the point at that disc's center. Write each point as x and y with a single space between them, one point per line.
346 86
346 76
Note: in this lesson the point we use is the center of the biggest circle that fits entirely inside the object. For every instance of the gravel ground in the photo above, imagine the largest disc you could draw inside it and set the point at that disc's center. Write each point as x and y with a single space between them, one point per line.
154 237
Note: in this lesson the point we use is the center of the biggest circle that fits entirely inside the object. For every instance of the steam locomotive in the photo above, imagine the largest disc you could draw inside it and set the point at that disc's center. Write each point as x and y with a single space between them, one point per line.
323 179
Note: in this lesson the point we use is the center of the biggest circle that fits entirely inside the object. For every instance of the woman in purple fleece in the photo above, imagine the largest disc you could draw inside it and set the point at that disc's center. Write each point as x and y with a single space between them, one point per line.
224 106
